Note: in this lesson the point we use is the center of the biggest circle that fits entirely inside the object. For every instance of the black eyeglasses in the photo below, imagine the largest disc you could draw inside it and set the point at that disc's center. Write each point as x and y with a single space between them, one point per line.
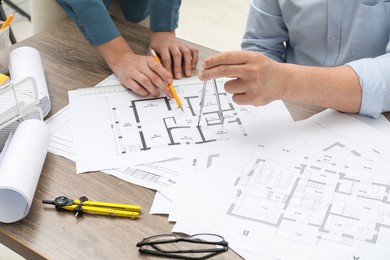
198 246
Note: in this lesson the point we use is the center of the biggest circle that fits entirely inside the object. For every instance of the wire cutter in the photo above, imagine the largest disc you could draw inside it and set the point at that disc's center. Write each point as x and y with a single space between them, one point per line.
102 208
201 104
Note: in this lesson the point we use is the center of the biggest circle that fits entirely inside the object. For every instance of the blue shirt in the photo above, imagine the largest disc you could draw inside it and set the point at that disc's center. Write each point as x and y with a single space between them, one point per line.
94 21
328 33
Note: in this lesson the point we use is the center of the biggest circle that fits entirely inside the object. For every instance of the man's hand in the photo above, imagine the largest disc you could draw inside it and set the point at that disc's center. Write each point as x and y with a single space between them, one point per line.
142 74
256 78
173 51
259 80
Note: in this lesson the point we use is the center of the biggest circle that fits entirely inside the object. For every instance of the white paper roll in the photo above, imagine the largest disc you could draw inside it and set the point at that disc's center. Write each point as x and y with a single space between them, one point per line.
21 168
26 62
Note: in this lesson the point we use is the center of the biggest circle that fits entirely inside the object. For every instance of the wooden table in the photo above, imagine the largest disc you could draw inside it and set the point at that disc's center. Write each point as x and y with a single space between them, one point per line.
71 63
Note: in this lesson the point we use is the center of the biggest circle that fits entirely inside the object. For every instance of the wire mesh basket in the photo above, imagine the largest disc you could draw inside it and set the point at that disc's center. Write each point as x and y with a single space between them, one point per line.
4 49
18 102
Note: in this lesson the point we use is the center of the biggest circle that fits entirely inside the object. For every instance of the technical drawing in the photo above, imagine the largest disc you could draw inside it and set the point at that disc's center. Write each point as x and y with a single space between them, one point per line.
156 124
131 130
145 178
62 144
343 201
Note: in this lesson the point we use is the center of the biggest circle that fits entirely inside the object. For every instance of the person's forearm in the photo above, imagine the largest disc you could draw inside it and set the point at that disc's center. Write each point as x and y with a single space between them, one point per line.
336 87
112 50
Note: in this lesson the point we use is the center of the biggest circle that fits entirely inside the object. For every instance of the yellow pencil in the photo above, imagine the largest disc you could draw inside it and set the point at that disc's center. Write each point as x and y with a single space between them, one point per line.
8 20
171 88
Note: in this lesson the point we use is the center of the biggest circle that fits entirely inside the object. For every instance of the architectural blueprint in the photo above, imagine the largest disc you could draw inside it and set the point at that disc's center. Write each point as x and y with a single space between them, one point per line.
114 127
310 190
315 199
290 201
157 176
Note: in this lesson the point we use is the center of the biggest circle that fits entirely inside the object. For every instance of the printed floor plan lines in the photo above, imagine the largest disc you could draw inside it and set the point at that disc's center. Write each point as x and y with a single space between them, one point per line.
327 199
62 144
156 124
115 128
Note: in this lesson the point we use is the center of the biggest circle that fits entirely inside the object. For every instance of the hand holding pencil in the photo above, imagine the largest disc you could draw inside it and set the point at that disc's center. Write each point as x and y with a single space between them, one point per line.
171 88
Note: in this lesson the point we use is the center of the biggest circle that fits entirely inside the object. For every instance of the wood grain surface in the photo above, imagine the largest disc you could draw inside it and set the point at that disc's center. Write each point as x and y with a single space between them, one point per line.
70 63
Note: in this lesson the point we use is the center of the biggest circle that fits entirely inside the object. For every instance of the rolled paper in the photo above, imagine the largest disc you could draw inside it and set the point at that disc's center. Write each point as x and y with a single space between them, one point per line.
20 169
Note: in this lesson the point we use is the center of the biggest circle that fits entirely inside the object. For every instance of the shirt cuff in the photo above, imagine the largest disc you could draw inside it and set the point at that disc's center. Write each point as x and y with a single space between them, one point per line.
170 20
98 29
373 86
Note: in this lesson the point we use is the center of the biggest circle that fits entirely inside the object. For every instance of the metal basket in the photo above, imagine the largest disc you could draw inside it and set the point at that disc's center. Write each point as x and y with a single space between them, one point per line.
18 101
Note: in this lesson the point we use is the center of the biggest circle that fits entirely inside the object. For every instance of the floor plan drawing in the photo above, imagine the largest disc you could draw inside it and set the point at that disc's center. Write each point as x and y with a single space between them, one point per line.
344 201
156 125
62 144
156 175
128 125
152 175
146 179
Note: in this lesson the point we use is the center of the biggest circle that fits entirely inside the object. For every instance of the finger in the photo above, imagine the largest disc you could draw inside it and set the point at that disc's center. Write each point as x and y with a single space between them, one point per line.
136 88
166 59
158 83
187 60
195 57
241 99
164 74
230 71
159 76
224 58
234 86
177 59
146 83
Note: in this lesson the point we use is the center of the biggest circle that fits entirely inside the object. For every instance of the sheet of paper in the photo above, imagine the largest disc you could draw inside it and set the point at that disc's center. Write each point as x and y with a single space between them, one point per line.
165 198
157 176
352 128
143 175
321 196
161 204
21 168
114 128
61 130
381 123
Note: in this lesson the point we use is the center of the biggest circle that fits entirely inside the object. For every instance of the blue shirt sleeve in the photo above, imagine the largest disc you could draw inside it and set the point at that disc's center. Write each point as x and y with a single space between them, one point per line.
95 23
266 31
374 80
164 15
92 18
328 34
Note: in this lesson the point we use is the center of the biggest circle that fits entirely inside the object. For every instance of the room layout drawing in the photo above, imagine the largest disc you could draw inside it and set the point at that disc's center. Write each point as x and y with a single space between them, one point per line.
312 198
115 128
157 124
62 144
